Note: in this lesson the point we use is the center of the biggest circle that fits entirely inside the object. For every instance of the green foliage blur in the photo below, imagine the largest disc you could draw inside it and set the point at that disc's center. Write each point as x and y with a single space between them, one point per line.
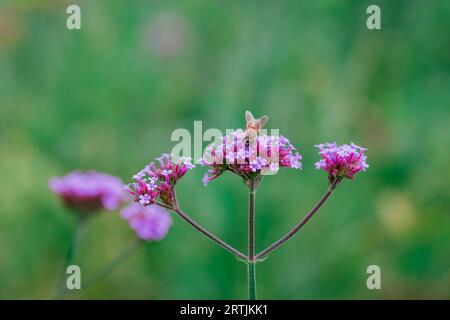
107 97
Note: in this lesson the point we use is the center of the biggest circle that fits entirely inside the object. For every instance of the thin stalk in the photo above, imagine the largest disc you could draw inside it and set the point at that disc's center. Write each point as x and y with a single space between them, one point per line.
251 223
251 281
114 264
294 230
251 242
70 256
209 235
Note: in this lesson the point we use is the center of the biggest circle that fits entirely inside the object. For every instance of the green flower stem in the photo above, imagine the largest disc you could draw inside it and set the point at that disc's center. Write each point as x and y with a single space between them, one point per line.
251 241
209 235
294 230
114 264
201 229
251 281
71 252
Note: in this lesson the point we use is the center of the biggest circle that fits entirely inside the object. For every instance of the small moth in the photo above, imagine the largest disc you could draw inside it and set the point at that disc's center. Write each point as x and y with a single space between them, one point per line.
253 125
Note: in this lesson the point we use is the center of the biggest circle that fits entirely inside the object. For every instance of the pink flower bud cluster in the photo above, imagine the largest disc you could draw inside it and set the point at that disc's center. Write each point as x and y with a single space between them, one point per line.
90 191
341 161
248 157
151 223
157 180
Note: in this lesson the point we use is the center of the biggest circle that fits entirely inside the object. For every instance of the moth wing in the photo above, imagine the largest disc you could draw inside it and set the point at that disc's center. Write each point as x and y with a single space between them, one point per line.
263 121
248 116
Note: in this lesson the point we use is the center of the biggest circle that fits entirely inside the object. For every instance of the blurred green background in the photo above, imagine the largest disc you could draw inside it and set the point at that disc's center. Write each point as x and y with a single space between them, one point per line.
108 96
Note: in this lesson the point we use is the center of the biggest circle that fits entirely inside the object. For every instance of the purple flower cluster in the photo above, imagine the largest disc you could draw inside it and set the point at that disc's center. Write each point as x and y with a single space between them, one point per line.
158 180
151 223
89 191
235 152
341 161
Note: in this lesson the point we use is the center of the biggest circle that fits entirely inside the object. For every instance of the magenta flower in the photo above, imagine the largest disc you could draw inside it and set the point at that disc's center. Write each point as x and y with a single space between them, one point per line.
237 154
151 223
158 180
341 161
89 191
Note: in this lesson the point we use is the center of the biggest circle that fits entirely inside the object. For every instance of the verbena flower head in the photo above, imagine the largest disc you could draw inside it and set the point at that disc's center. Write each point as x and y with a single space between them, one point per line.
235 152
90 191
341 161
158 179
150 223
